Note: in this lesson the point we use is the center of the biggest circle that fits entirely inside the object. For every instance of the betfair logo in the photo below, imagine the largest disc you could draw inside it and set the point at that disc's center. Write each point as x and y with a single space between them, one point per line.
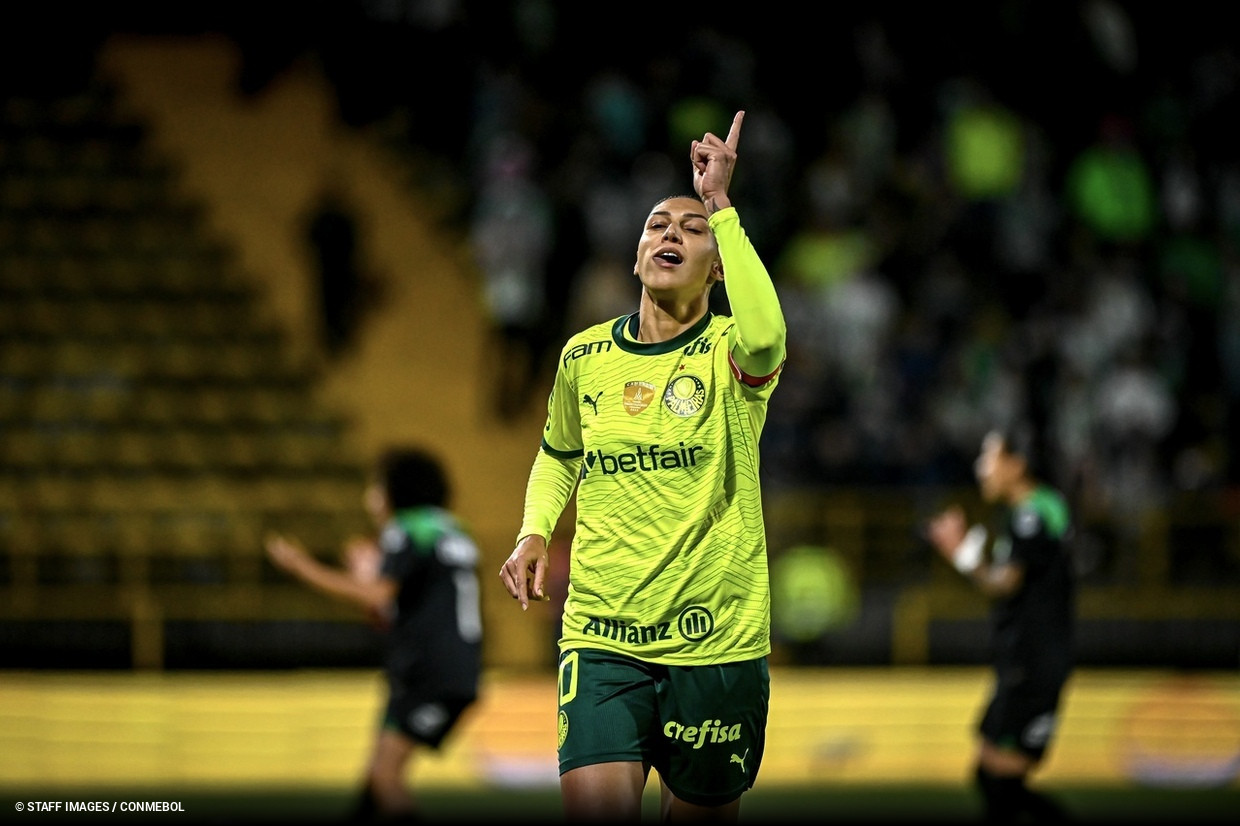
710 731
641 460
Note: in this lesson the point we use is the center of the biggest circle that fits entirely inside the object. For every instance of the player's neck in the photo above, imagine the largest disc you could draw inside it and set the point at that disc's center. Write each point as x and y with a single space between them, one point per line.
664 319
1021 490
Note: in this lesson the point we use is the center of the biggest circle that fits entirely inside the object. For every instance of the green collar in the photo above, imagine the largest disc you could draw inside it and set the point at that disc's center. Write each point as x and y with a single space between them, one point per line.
654 348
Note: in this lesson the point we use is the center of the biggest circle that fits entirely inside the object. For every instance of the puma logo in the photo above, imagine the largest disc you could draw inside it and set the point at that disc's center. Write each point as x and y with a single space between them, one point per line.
593 402
739 759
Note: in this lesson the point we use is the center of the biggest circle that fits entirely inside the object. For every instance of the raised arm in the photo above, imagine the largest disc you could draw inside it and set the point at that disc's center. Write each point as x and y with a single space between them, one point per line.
759 343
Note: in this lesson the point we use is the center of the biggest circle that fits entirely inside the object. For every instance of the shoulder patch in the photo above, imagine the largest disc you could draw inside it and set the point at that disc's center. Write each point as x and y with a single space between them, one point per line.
392 539
1026 522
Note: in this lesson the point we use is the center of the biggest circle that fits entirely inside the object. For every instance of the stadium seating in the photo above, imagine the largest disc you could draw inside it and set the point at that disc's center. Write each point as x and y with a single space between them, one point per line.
153 425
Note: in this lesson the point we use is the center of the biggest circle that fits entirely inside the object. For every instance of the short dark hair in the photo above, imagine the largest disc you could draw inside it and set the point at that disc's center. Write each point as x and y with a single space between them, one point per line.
1020 438
672 198
412 477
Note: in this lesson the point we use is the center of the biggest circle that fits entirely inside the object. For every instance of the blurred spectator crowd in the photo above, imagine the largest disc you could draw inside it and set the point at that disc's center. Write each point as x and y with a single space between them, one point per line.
972 211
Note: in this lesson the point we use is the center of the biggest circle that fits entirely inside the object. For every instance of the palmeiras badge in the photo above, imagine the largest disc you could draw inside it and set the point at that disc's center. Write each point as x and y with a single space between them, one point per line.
685 395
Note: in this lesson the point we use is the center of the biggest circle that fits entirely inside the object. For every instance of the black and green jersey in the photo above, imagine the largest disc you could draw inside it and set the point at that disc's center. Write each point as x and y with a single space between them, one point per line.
435 639
1034 626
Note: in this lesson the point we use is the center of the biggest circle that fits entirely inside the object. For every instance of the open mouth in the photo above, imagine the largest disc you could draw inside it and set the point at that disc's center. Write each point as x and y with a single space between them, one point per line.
670 257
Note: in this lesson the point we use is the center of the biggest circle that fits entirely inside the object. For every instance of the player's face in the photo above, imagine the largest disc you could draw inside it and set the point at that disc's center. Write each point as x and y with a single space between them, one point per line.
375 500
677 250
995 468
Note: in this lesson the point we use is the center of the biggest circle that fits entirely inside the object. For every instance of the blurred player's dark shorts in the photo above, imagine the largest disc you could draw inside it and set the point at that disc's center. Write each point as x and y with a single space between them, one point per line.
424 719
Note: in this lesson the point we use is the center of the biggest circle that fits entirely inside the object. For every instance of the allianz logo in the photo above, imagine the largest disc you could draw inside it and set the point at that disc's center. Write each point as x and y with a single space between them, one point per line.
633 633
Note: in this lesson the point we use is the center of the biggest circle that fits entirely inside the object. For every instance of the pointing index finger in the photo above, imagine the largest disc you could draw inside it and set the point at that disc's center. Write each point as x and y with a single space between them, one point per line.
734 134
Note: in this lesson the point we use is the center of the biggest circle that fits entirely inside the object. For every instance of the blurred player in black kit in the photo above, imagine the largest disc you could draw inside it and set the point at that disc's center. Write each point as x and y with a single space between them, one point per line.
1026 571
418 580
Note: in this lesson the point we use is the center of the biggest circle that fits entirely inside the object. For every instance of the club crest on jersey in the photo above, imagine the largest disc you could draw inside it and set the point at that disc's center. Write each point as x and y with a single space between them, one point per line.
637 396
685 395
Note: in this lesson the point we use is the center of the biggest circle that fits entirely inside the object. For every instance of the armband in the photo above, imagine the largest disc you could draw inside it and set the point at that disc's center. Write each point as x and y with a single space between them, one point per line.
968 554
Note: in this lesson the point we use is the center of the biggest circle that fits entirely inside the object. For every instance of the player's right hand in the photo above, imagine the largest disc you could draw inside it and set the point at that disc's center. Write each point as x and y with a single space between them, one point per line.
363 559
285 554
525 570
946 531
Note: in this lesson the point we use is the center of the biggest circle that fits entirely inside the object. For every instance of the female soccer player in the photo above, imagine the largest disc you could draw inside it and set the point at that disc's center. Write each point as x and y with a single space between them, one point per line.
418 579
654 420
1029 577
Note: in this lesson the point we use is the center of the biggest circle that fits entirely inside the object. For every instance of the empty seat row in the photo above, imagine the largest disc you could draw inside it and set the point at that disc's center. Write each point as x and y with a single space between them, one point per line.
208 360
109 400
87 109
150 231
39 491
184 532
88 445
121 316
187 273
74 190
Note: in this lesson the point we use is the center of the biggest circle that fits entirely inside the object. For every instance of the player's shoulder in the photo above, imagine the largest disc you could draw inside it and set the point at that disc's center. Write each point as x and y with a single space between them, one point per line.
602 331
720 323
593 341
1044 511
394 538
1026 520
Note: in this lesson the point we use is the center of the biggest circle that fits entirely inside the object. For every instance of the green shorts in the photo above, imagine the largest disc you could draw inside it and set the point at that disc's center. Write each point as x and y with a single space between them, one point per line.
701 727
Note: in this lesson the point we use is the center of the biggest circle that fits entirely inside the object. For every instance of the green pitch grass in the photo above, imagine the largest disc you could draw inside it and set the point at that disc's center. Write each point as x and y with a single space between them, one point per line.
843 746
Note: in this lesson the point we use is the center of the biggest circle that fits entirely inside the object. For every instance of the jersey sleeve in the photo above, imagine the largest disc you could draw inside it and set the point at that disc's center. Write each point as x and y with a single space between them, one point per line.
562 432
1032 547
400 560
551 483
553 475
757 345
